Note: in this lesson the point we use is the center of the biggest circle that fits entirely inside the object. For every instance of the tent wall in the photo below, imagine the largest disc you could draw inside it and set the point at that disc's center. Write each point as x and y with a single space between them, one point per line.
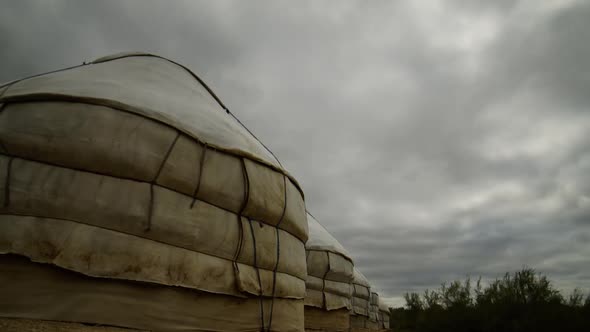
20 325
374 308
384 314
321 320
327 286
361 294
29 290
329 269
364 315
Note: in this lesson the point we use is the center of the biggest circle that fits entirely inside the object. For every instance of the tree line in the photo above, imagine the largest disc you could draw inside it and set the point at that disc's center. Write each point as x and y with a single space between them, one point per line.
519 301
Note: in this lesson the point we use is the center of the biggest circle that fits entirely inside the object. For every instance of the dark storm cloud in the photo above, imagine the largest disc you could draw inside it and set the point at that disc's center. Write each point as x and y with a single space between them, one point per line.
433 139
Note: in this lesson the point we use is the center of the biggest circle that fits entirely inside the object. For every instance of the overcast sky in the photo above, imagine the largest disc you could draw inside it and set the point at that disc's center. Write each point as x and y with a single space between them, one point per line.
433 139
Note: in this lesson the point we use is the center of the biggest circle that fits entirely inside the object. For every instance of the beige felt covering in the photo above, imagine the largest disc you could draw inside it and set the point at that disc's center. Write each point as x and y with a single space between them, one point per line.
103 140
326 321
21 324
361 294
42 291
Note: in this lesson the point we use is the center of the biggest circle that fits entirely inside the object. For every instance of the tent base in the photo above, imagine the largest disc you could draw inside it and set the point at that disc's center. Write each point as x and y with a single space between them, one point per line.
360 323
44 292
326 321
373 325
21 325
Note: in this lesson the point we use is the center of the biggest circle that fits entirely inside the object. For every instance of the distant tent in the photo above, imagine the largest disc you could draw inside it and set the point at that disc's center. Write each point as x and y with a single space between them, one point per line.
365 305
373 322
384 314
361 296
329 289
132 197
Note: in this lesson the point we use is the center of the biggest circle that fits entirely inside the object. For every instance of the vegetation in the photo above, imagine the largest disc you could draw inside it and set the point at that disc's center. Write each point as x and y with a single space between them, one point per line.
522 301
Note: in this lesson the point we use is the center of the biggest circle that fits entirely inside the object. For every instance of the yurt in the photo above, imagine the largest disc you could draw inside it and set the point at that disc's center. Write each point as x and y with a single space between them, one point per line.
132 198
361 295
329 288
373 322
383 315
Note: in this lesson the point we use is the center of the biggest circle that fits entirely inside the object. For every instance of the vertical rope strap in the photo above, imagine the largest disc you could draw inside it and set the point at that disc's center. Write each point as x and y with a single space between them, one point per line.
274 272
201 166
242 208
240 243
260 295
324 281
151 205
148 226
239 219
7 183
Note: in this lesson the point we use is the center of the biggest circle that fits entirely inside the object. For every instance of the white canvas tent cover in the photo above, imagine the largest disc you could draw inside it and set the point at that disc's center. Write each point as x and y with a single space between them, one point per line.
330 270
130 169
320 239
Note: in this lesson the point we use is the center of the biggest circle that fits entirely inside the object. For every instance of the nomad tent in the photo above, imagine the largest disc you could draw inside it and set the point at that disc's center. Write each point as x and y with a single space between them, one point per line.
330 272
373 322
361 294
365 314
383 315
133 198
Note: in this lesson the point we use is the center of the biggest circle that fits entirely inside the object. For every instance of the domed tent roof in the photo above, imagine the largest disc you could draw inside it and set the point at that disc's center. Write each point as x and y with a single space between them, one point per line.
360 279
131 173
320 239
151 86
